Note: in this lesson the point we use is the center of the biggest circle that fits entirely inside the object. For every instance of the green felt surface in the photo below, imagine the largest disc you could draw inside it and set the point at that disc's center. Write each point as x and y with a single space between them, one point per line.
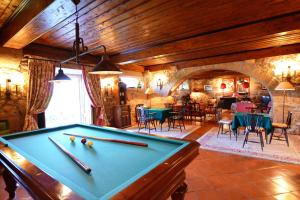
161 114
114 165
239 121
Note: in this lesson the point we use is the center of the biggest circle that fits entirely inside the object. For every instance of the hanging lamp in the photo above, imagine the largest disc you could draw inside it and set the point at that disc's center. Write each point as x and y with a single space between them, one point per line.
60 76
105 66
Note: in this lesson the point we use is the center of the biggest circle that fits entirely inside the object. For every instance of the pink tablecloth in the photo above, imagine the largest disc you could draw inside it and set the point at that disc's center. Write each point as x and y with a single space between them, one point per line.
242 106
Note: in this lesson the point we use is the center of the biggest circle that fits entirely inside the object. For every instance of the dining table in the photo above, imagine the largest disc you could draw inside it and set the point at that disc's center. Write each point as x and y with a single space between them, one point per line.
160 114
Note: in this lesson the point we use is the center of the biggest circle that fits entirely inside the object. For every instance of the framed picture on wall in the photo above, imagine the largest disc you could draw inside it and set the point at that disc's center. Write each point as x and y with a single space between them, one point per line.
208 88
243 85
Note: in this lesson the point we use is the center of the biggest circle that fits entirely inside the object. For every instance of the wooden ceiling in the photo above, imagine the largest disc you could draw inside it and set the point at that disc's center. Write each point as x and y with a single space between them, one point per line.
157 34
7 8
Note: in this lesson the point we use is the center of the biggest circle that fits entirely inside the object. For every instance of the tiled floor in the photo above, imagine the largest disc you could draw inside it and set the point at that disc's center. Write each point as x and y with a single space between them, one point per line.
220 176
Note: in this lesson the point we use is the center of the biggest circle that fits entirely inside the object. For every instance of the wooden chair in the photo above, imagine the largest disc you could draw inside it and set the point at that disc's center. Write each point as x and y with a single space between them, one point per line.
283 127
253 124
145 118
197 111
136 111
176 117
222 123
211 110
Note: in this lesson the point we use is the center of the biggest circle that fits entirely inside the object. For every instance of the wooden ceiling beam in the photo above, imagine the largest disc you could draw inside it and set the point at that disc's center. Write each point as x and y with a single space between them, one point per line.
232 36
62 54
232 57
23 15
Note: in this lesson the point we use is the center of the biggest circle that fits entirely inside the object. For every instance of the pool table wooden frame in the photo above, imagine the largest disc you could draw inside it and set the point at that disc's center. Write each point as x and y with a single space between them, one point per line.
161 182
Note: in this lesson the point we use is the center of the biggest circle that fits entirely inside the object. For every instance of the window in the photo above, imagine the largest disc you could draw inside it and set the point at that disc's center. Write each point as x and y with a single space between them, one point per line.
69 103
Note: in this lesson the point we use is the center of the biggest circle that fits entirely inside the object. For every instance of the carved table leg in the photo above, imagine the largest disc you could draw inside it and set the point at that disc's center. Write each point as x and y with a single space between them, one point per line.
180 192
10 182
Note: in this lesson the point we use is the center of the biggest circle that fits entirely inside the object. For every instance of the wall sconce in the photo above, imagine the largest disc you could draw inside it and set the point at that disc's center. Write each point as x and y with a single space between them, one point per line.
160 83
8 92
223 87
107 84
288 70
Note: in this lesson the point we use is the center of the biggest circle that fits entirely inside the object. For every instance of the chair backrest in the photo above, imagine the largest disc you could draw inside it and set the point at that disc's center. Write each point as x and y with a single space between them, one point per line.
289 119
253 122
141 115
218 114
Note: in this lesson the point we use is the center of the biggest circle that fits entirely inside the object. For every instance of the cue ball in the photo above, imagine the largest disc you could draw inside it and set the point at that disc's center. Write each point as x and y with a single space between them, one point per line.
83 141
72 138
90 143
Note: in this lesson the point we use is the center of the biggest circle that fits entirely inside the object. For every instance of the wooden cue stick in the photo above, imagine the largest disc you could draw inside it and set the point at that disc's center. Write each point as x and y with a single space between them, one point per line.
110 140
76 160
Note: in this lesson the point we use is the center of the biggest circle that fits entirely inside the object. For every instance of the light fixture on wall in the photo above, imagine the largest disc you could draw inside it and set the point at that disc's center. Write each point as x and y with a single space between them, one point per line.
223 87
288 70
103 67
7 92
148 92
284 86
160 84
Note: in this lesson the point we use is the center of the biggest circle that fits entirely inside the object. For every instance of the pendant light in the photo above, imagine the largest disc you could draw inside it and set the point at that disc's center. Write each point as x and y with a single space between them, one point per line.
105 67
60 76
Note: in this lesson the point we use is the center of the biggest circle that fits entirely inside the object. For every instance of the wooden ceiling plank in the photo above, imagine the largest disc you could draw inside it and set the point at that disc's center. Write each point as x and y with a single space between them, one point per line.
126 20
261 53
42 21
141 36
30 10
7 8
86 15
263 42
226 37
69 22
275 10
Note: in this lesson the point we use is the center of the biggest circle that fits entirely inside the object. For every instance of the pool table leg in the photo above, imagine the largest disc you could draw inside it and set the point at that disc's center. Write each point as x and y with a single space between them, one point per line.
180 192
10 182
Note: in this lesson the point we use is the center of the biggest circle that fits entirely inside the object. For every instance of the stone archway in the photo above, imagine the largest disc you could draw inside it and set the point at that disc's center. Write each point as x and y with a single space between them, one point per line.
260 69
250 68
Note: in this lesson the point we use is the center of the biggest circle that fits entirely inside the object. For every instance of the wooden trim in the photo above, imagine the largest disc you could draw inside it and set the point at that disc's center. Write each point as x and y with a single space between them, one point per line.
26 11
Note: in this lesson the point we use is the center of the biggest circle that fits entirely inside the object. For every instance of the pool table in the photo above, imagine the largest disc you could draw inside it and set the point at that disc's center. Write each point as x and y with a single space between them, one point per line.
119 171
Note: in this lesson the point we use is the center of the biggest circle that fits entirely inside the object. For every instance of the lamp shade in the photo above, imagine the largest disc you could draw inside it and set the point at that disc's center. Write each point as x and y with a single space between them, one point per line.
223 86
285 85
149 91
106 67
60 76
246 85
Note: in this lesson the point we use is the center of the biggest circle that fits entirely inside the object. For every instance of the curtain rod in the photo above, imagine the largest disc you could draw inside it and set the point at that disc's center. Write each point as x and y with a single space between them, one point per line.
58 61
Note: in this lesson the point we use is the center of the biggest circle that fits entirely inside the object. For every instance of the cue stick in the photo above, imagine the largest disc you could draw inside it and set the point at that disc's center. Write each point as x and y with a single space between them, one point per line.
110 140
76 160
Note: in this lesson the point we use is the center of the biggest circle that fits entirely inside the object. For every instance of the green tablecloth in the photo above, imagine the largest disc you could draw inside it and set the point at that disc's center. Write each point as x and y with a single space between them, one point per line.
161 114
238 121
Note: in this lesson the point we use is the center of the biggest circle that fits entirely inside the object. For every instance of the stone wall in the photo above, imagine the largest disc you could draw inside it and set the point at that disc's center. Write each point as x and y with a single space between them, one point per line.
260 70
13 108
